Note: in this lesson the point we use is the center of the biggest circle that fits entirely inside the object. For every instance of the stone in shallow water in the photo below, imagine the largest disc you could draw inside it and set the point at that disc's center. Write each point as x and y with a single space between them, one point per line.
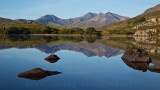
136 56
37 74
52 58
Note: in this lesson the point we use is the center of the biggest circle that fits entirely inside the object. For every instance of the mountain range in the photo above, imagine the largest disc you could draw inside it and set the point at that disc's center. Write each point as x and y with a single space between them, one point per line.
87 20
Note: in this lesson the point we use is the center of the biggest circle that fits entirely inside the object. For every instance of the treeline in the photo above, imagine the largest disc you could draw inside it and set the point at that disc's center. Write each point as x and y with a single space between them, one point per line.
44 29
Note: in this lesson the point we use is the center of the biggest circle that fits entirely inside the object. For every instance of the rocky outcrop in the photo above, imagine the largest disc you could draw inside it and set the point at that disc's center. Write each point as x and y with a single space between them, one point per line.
37 74
136 56
52 58
154 20
148 32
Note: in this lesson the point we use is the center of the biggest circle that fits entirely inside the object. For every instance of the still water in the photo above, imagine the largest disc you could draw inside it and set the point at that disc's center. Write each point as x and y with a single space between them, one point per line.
86 63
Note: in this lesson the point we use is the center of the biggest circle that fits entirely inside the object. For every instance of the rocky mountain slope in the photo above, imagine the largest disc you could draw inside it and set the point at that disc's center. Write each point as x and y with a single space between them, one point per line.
155 8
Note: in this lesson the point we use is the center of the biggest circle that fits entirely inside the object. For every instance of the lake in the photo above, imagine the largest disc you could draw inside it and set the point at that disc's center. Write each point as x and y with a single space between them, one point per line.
86 63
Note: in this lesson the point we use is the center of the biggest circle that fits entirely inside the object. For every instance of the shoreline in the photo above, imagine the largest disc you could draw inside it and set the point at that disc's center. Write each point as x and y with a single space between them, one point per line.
107 35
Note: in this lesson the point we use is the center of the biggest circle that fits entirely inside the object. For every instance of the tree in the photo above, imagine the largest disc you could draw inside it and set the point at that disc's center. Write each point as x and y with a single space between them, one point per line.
79 31
1 30
46 30
55 31
90 30
12 30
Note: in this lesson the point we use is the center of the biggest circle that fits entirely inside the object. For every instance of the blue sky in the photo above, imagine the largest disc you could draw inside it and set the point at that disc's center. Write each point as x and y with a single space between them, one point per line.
33 9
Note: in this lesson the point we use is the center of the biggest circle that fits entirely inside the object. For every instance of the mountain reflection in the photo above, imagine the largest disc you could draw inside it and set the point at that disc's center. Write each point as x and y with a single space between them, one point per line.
37 74
51 44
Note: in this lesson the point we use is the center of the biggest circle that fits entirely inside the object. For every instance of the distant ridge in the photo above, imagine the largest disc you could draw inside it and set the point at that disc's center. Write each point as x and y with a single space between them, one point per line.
5 20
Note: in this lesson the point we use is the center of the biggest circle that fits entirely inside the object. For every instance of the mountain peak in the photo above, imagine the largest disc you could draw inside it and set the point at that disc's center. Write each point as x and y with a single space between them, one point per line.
90 14
108 13
49 16
101 13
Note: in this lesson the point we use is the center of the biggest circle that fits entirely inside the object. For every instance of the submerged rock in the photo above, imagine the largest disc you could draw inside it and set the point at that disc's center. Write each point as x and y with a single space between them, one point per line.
37 74
52 58
136 56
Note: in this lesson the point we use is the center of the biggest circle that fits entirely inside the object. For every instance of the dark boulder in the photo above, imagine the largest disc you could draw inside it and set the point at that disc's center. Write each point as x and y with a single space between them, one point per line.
37 74
52 58
136 56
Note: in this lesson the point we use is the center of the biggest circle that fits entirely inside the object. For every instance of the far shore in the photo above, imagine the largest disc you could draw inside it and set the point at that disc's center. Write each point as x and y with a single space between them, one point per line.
106 35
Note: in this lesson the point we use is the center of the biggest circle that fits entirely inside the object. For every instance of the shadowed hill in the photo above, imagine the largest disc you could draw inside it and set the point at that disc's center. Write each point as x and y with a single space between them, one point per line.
5 20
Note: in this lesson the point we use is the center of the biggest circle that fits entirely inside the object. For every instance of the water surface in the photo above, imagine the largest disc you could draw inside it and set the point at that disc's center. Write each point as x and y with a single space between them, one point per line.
85 63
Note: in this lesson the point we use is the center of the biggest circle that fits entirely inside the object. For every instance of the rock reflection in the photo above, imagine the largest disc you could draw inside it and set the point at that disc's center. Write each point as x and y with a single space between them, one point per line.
137 66
37 74
137 59
52 58
154 68
140 60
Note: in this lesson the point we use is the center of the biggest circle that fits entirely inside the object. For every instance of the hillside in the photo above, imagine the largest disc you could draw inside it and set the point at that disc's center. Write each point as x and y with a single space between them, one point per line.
89 20
86 24
5 20
156 8
144 21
